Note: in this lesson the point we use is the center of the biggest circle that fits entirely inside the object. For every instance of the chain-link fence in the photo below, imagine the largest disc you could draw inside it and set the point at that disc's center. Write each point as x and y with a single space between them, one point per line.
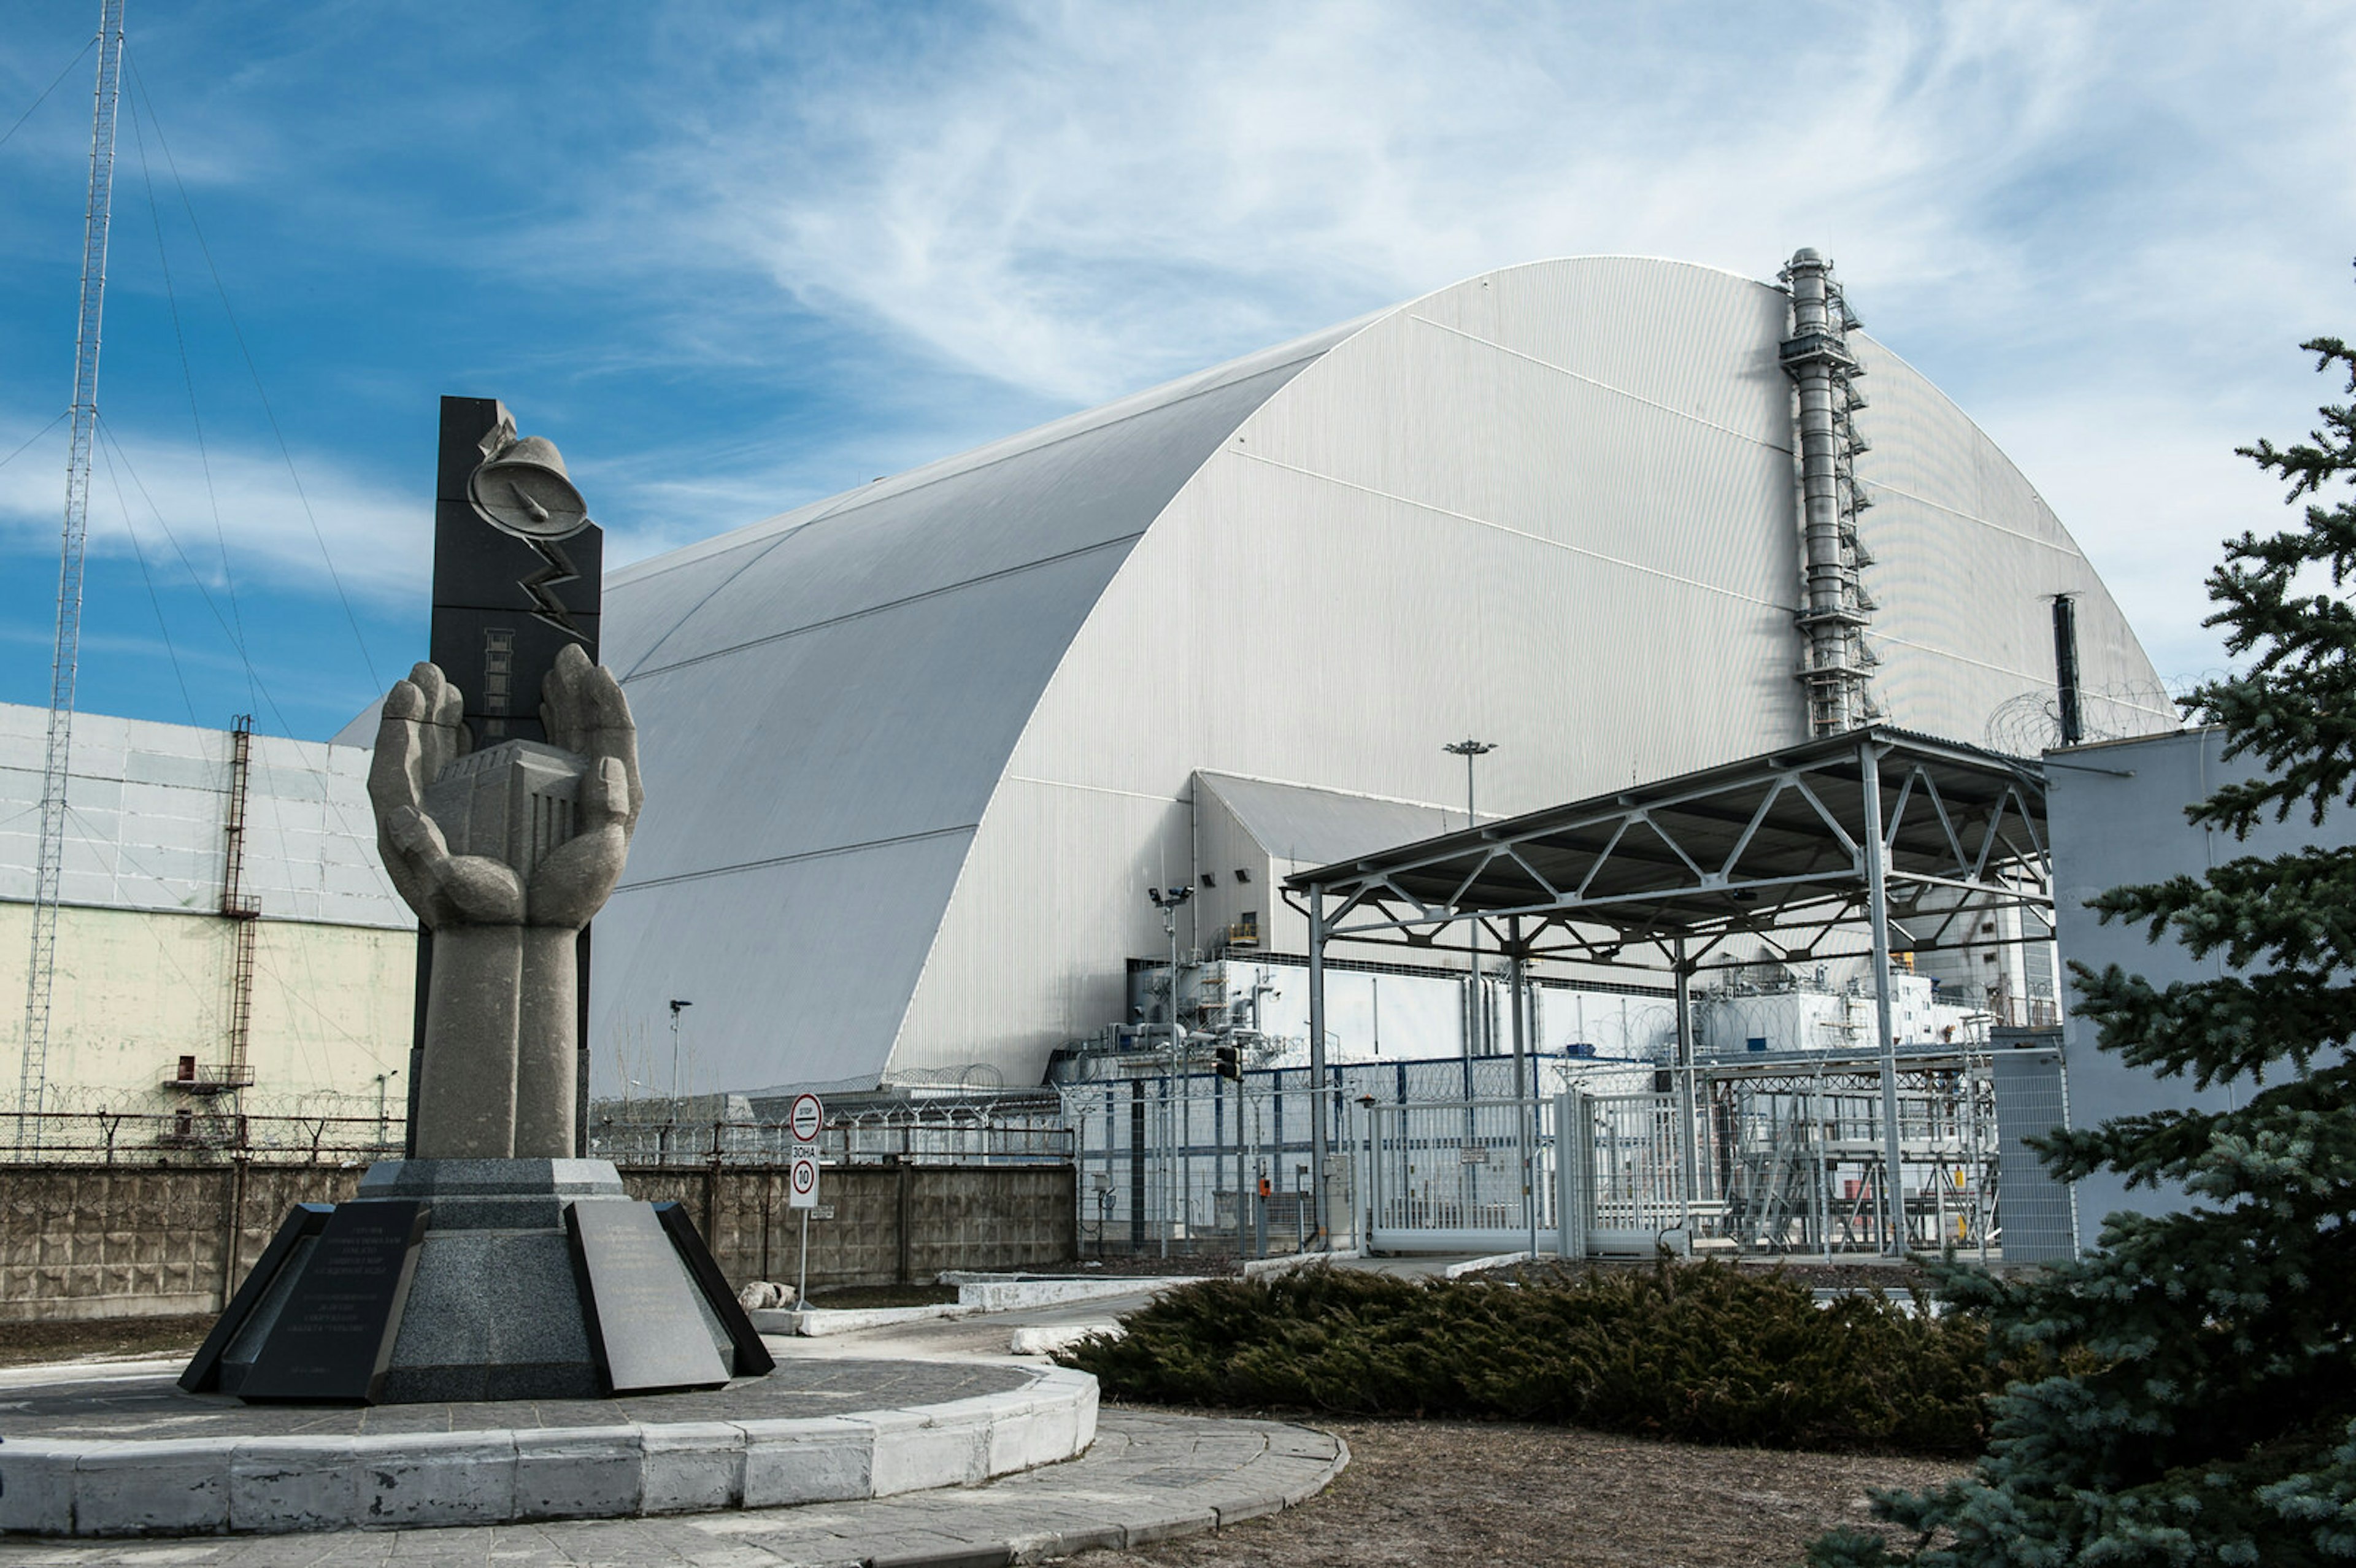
1159 1154
1781 1157
1012 1131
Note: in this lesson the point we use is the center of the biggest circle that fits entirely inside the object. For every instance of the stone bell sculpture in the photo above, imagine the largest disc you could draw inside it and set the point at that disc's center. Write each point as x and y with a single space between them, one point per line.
492 1263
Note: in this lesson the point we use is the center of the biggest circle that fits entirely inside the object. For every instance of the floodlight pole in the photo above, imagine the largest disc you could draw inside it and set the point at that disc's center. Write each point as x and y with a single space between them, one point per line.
1877 907
1170 1096
677 1007
1167 901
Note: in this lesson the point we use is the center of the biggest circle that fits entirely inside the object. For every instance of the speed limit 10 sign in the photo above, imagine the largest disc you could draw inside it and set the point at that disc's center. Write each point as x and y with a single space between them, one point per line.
801 1179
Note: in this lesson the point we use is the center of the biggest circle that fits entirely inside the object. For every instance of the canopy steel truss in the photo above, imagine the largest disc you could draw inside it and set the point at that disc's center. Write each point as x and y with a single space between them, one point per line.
1811 852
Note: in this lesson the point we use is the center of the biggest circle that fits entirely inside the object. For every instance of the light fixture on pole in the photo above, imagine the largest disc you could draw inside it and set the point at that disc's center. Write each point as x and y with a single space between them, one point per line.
1476 1036
1169 901
382 1081
678 1005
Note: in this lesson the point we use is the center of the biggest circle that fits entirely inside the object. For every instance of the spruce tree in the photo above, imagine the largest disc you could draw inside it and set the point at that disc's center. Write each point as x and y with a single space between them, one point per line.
2202 1402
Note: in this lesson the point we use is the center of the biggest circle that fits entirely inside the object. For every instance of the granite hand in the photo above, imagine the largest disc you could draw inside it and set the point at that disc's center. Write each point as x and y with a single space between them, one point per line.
583 711
421 733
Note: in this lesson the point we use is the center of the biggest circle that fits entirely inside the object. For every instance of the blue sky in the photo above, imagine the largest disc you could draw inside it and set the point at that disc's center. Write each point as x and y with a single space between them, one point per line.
735 258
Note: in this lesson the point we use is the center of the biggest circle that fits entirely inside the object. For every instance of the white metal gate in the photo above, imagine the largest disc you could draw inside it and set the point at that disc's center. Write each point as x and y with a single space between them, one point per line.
1460 1176
1625 1186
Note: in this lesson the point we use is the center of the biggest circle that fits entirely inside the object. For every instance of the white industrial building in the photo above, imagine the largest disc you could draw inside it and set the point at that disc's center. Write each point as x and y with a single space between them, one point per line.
227 938
914 754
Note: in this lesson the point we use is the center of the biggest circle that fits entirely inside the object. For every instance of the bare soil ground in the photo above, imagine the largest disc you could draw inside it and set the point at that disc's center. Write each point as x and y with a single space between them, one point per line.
1446 1492
107 1339
861 1296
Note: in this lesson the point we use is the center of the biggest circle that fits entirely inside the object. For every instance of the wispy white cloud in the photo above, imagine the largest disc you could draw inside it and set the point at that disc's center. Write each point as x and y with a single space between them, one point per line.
246 527
1076 198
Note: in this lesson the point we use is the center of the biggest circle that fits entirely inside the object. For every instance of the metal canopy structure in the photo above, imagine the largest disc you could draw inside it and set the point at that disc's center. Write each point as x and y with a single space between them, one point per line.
1778 849
1808 852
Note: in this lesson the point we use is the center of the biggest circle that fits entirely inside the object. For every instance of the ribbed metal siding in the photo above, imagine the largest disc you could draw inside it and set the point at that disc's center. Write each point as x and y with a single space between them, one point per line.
1553 508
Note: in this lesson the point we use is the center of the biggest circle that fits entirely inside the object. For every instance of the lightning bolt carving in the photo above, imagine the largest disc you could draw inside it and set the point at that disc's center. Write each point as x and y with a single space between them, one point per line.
541 585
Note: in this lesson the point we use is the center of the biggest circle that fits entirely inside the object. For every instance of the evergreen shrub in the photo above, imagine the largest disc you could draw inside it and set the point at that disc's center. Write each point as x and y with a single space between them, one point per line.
1698 1352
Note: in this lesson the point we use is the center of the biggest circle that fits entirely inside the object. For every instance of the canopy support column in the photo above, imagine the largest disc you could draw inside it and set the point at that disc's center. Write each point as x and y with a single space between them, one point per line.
1876 905
1525 1081
1317 1062
1688 1156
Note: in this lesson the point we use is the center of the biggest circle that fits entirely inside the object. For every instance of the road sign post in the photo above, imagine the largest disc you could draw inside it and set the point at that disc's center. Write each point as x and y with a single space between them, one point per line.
805 1120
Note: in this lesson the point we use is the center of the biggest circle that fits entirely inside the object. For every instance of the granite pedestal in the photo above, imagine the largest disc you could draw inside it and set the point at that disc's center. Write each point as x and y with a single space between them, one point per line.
530 1279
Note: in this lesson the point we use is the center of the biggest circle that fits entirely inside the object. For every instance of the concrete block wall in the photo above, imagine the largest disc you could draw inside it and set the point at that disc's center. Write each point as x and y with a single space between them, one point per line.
80 1240
86 1241
892 1224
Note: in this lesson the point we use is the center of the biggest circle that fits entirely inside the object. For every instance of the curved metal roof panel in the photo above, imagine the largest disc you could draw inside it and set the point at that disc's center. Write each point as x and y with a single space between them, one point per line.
826 701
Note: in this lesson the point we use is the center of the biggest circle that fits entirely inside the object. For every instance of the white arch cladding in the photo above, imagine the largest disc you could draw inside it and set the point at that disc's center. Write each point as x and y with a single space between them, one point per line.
1553 508
826 701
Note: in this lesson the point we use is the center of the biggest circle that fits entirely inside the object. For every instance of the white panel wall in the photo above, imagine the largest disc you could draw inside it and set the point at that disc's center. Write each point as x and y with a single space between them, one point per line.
146 806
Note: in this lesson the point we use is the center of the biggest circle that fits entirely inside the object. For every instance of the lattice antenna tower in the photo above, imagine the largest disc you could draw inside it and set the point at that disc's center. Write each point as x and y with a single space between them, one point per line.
64 661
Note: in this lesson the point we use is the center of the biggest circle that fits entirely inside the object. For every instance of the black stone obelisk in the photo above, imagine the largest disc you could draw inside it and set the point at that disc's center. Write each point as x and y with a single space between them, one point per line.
503 609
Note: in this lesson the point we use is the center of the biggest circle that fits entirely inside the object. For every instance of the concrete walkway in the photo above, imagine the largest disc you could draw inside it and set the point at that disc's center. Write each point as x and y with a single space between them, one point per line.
1147 1476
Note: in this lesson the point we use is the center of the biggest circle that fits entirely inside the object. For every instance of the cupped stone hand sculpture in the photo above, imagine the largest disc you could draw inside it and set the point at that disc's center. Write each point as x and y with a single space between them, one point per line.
505 854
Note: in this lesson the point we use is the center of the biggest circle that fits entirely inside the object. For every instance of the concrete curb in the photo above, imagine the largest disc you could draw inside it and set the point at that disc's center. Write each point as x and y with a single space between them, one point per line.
976 1293
815 1322
1495 1260
1045 1340
1149 1477
1259 1267
986 1295
275 1485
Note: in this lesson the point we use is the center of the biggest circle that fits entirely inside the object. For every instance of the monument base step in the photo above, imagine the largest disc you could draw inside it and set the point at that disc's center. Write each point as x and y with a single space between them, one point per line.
475 1280
836 1432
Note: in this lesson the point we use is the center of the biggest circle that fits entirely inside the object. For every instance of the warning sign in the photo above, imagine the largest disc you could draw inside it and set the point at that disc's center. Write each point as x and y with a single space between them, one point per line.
806 1118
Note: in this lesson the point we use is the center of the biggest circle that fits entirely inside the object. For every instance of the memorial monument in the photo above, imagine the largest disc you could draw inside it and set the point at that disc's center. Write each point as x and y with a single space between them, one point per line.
493 1263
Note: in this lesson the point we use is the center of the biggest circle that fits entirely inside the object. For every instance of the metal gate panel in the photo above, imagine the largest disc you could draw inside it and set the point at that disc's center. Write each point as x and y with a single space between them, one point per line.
1449 1177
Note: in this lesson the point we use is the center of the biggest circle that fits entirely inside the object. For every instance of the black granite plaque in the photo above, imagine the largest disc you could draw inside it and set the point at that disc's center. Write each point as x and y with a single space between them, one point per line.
753 1357
644 1329
203 1373
334 1337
